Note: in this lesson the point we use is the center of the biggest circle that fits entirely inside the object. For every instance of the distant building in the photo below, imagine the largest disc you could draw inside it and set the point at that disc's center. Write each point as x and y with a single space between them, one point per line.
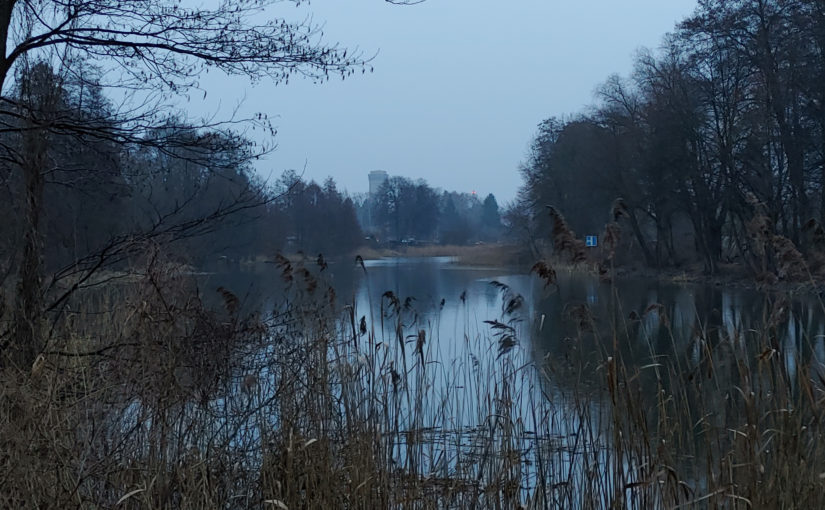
377 178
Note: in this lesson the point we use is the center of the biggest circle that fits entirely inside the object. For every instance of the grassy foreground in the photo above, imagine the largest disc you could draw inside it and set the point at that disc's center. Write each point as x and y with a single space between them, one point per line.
147 399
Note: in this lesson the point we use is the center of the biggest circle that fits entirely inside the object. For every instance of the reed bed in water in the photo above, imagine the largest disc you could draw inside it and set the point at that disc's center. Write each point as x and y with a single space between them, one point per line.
146 397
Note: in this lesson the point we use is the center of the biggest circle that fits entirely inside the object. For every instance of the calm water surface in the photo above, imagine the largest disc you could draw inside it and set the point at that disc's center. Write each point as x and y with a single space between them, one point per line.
579 321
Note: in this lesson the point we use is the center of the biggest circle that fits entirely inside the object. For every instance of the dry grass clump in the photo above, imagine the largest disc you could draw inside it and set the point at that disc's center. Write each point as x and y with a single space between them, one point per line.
123 402
777 257
612 236
546 272
565 241
789 262
816 246
736 422
573 250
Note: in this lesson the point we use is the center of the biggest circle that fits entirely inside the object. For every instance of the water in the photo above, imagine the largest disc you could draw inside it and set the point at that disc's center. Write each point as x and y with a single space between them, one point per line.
650 318
548 352
580 320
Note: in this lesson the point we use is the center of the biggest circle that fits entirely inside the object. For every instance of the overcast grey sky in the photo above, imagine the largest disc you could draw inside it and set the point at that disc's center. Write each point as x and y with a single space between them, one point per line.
458 89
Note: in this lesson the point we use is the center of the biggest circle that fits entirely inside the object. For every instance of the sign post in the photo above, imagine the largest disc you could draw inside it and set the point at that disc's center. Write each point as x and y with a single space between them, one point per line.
591 241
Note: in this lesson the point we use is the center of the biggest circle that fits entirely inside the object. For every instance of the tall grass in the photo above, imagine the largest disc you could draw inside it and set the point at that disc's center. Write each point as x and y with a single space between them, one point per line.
148 397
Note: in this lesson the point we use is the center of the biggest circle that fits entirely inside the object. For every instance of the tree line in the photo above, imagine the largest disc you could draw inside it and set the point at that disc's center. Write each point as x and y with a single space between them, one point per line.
101 190
408 210
715 144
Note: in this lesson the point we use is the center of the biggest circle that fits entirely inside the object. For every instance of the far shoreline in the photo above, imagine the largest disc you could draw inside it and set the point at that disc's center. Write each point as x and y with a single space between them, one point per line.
732 275
517 257
482 254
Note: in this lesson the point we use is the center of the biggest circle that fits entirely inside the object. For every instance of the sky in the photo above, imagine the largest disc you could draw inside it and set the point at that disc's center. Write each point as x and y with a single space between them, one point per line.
458 88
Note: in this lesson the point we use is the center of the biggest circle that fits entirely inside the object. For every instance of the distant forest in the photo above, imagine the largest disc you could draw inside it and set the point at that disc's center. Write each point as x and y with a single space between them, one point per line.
317 218
193 191
407 211
715 144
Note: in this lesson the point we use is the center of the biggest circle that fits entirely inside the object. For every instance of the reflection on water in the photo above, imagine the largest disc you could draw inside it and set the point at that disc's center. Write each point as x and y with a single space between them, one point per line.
656 317
456 320
580 320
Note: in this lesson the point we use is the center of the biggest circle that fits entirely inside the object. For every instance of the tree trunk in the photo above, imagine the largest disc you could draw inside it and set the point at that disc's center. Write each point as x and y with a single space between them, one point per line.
6 11
28 312
649 259
714 246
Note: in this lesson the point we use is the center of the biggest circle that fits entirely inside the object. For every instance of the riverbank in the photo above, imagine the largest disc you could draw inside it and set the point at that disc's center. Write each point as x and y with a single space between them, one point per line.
486 255
727 275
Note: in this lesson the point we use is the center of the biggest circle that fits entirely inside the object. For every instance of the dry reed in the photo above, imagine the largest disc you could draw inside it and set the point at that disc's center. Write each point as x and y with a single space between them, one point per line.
147 397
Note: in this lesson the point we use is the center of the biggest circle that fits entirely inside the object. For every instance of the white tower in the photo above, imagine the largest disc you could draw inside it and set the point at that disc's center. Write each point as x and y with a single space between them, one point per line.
377 178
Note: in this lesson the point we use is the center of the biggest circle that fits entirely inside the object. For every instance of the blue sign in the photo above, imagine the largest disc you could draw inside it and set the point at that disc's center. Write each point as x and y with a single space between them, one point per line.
590 240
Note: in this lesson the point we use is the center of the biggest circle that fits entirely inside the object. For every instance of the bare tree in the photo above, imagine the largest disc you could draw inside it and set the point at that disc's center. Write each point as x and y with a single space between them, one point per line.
153 49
